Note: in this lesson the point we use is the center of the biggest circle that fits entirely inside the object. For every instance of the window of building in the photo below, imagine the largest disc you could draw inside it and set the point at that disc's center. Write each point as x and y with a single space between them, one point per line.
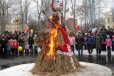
108 20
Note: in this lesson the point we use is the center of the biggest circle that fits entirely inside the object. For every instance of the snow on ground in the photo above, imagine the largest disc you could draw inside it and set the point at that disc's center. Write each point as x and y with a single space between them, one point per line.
91 70
85 52
19 70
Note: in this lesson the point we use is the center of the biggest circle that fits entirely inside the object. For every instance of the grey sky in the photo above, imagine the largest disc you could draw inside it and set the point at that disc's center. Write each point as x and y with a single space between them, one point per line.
107 6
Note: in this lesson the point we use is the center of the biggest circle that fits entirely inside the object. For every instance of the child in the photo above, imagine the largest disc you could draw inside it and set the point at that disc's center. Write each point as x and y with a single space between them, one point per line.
27 48
15 46
35 44
72 42
9 48
108 43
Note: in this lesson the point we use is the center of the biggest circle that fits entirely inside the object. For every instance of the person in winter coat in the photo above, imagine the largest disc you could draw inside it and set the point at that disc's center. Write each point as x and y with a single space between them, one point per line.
22 40
8 37
98 43
3 42
27 48
9 48
110 33
80 43
72 42
16 35
108 43
93 36
15 47
31 42
90 43
104 33
35 38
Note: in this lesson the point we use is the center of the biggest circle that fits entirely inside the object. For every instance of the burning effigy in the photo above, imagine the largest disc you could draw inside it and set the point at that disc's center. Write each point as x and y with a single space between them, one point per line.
56 56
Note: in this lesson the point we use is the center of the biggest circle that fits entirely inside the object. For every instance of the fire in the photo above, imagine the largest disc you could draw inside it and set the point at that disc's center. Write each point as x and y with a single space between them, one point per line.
51 53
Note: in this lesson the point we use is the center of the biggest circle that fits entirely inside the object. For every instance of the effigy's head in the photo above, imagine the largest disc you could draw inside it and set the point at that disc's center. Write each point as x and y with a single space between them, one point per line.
57 5
54 19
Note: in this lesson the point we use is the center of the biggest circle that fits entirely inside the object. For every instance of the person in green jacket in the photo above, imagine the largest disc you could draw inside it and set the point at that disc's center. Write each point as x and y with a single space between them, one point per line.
35 38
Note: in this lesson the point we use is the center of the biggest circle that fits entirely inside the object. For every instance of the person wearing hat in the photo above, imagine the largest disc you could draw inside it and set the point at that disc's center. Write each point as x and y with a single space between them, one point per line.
72 41
98 43
108 43
90 43
103 32
80 43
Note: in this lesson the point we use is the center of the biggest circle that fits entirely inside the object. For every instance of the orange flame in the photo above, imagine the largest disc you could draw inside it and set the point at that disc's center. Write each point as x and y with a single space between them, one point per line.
51 53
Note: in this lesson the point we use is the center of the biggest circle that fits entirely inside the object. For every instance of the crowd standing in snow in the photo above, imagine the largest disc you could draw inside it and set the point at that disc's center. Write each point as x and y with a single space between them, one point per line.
101 40
14 43
19 43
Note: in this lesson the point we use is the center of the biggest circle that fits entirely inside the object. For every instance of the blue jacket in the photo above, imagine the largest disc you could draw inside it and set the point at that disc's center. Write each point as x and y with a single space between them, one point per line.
8 46
90 40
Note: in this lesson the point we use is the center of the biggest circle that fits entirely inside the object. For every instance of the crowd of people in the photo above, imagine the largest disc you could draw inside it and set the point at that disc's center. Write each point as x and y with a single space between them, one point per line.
101 40
14 43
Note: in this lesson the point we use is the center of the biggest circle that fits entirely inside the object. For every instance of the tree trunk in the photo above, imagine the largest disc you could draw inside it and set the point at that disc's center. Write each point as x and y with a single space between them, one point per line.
75 16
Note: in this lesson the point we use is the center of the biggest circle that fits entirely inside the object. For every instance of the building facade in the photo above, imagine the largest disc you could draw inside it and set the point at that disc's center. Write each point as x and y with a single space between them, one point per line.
14 27
109 19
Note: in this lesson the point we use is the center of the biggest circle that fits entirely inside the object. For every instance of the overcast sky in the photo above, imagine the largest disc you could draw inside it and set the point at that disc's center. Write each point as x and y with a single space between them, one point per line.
107 6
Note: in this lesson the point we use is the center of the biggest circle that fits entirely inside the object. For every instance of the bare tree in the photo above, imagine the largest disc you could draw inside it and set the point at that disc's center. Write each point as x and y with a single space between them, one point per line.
74 13
43 10
90 10
65 10
22 10
5 5
26 10
38 9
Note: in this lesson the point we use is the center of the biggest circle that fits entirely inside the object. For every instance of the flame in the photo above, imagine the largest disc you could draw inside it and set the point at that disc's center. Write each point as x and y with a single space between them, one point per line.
50 17
51 53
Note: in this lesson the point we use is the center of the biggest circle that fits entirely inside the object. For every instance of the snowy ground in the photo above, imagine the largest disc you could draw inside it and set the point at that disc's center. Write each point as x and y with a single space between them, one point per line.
91 70
85 52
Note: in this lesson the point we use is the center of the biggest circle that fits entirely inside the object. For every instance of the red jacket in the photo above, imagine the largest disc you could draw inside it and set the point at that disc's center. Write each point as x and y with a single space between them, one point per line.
108 42
14 44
